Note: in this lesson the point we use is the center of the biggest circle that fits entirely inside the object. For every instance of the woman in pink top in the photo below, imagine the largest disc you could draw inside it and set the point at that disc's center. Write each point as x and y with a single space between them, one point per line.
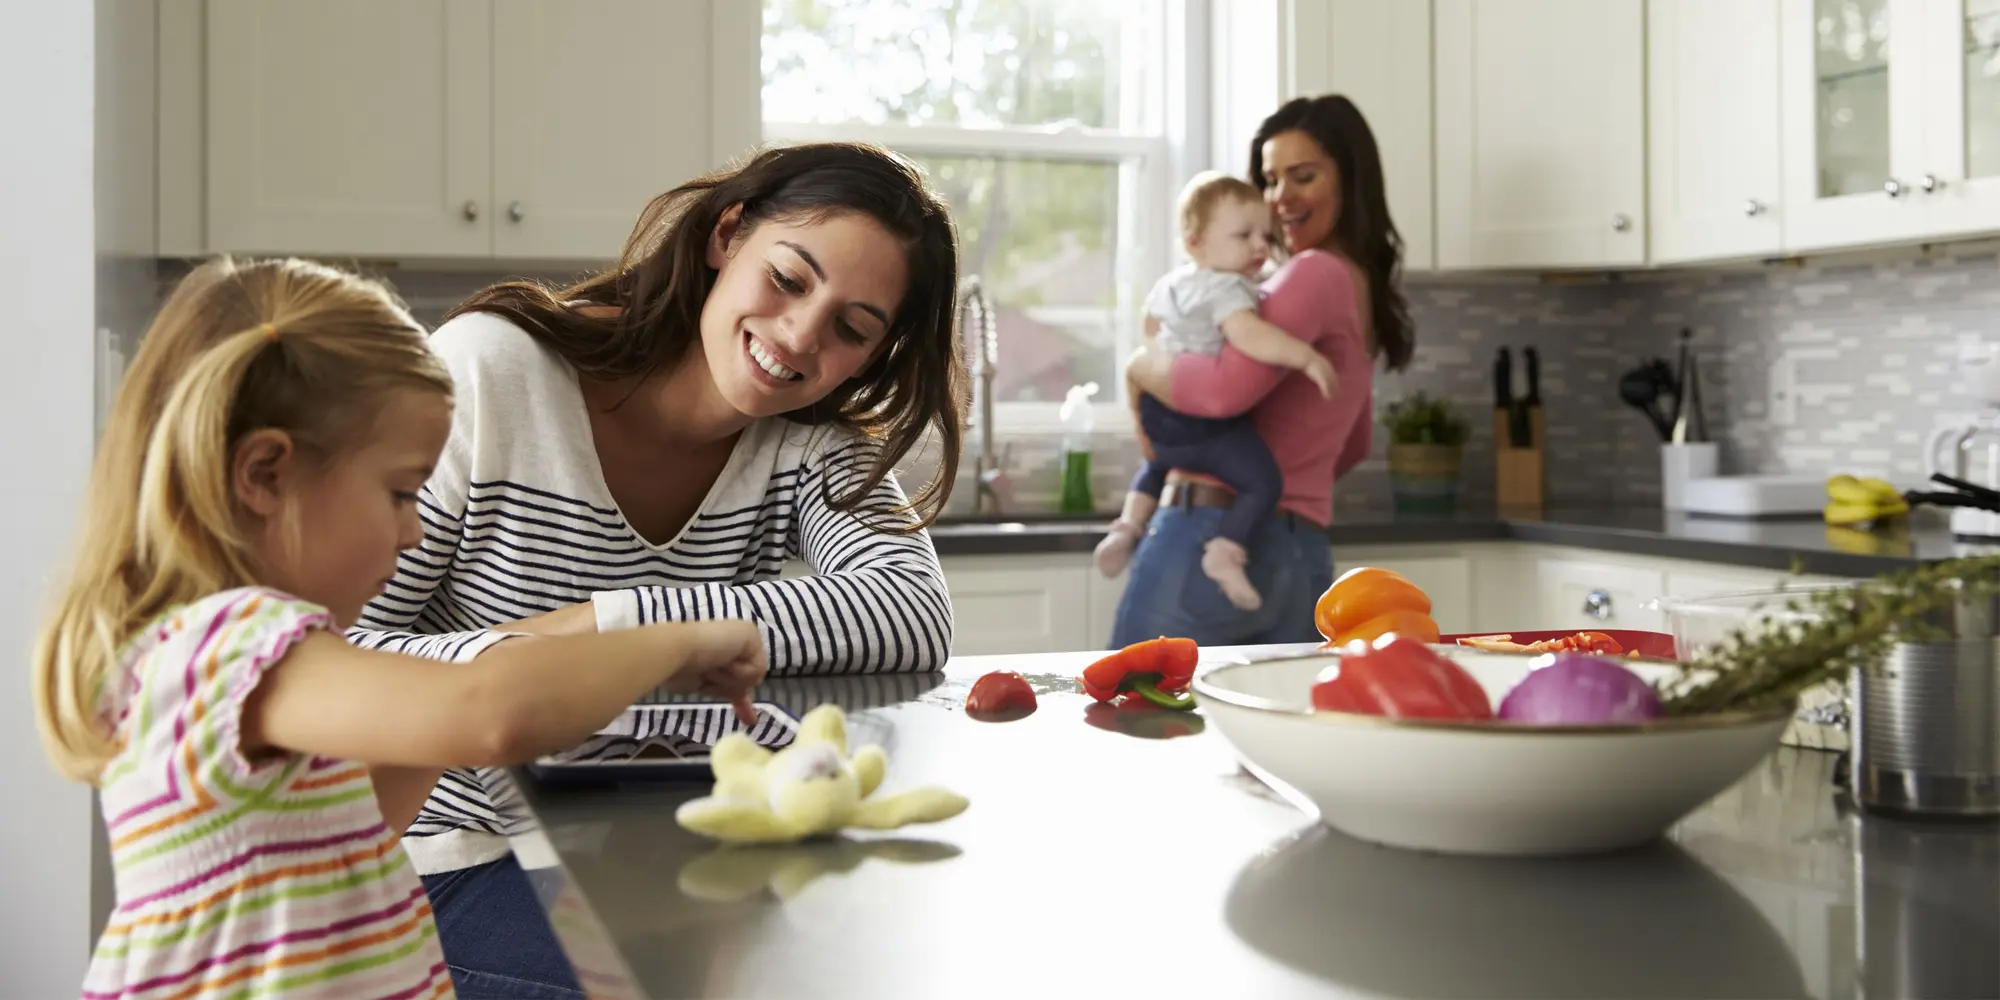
1316 162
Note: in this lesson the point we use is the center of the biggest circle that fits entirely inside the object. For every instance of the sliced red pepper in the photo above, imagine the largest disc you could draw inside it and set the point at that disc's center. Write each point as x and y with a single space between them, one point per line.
1401 678
1581 642
1158 670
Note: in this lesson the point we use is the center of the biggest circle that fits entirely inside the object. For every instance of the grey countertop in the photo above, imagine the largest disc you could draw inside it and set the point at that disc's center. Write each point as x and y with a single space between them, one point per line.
1105 856
1645 531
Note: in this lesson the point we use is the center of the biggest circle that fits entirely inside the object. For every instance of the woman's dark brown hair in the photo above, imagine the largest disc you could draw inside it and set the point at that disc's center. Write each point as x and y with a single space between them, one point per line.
917 382
1364 231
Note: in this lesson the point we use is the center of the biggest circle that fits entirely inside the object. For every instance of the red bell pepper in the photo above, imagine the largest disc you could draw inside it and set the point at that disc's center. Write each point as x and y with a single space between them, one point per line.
1400 678
1158 670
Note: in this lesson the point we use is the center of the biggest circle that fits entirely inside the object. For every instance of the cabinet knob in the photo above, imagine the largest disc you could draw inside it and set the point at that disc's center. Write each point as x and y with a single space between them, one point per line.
1753 208
1621 222
1597 604
1893 188
516 211
471 210
1931 184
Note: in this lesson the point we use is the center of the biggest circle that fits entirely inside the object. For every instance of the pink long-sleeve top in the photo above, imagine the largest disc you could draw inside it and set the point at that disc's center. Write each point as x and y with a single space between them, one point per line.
1313 297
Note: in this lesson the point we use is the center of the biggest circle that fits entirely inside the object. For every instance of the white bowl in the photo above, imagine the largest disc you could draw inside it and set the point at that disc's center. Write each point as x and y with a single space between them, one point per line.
1463 787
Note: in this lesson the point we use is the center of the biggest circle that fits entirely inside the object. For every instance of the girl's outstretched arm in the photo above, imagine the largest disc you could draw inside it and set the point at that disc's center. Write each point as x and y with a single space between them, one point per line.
522 698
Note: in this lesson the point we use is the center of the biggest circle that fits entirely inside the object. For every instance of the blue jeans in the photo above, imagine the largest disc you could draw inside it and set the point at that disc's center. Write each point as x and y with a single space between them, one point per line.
1228 449
1291 564
496 936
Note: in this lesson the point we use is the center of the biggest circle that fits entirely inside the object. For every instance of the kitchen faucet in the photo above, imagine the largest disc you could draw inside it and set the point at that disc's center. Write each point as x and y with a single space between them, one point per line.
984 339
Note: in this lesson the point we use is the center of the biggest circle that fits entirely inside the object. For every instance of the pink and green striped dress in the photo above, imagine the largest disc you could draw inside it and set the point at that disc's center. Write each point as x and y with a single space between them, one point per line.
236 878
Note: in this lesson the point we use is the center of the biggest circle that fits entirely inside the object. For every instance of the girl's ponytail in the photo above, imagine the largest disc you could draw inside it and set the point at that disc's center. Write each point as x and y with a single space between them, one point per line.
187 518
184 520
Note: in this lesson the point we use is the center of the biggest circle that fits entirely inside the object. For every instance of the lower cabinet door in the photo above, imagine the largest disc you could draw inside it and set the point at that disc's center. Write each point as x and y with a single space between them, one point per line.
1019 604
1577 594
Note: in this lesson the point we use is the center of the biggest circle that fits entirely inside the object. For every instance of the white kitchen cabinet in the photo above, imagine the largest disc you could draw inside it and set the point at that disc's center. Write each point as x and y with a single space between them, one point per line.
1957 176
1540 133
1853 121
458 128
1378 54
1892 121
353 128
1018 604
598 107
1586 593
1715 184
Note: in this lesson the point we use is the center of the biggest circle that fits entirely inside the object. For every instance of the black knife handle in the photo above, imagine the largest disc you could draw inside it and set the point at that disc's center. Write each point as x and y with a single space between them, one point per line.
1971 489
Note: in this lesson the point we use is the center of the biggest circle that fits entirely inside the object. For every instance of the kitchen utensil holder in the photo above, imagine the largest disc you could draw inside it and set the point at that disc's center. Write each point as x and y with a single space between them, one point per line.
1926 731
1520 474
1680 463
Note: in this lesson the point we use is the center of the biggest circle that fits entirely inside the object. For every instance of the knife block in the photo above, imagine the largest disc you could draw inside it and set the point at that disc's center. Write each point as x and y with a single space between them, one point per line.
1520 474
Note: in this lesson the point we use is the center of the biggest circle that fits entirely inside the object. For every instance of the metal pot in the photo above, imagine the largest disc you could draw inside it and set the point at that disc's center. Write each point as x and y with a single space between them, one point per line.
1927 728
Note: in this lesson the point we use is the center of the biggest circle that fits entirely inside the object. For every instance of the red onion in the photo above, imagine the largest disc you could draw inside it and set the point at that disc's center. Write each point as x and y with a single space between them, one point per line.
1578 689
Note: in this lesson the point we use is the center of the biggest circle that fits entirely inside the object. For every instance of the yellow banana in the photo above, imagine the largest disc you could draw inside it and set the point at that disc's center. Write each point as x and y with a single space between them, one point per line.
1852 540
1885 492
1850 513
1845 489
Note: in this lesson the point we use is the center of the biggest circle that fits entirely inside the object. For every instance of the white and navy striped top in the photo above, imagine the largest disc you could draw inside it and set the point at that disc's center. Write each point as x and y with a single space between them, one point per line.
518 521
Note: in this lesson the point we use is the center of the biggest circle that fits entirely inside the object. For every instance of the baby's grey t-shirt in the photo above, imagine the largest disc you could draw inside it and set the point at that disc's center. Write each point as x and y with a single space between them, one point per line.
1191 302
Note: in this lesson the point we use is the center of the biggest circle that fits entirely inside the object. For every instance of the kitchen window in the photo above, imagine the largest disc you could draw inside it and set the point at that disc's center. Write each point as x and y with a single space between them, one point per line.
1050 126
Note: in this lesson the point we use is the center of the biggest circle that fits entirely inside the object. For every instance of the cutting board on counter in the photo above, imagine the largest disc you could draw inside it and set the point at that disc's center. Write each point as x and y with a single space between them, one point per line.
1755 496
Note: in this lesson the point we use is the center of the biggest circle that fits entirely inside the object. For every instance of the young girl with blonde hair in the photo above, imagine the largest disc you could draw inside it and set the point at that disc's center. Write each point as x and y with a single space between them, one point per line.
252 492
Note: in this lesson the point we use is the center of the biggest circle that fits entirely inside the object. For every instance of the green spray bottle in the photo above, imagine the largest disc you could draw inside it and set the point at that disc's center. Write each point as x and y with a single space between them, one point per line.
1079 419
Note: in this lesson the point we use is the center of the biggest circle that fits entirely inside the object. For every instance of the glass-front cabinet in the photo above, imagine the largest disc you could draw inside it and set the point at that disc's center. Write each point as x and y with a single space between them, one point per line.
1961 163
1892 120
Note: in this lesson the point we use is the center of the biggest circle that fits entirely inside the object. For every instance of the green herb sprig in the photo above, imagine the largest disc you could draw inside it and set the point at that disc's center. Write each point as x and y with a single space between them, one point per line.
1824 635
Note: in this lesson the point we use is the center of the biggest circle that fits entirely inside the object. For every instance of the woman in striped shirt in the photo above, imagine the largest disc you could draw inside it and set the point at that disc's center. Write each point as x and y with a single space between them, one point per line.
256 481
657 441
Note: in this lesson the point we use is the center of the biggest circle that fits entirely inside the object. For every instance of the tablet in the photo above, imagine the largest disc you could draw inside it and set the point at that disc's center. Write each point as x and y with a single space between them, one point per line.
662 742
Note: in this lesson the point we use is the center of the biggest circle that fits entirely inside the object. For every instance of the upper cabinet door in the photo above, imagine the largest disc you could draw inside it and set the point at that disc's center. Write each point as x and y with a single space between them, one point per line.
1378 54
598 107
1957 177
1541 133
354 128
1854 113
1716 184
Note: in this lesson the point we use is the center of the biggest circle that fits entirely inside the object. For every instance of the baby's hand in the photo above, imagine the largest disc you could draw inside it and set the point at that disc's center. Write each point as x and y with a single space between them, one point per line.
1320 370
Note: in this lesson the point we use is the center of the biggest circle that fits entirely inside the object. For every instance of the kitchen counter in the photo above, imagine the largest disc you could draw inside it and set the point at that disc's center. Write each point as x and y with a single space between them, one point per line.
1646 531
1105 856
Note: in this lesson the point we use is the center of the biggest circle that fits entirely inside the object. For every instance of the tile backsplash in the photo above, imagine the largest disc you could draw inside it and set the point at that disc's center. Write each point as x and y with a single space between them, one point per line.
1873 351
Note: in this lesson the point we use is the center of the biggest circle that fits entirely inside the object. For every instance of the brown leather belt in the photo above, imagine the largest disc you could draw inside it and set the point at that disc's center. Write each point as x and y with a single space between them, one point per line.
1188 496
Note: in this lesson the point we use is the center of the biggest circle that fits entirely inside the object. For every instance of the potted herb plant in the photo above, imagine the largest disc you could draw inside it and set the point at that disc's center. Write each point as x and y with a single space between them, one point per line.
1426 443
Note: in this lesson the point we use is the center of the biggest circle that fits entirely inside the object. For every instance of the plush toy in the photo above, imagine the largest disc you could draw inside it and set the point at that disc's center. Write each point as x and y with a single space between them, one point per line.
808 789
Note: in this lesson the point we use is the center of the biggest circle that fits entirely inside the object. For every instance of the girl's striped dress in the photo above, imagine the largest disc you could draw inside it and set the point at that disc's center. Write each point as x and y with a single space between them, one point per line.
237 878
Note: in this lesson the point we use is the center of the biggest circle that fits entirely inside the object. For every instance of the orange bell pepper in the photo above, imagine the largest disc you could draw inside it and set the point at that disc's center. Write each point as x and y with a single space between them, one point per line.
1364 594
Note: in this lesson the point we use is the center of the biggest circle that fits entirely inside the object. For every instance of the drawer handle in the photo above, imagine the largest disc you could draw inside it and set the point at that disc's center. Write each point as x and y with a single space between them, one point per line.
1597 604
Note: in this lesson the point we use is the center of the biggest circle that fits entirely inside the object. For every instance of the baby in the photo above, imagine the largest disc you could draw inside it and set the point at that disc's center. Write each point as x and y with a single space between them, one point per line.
1197 307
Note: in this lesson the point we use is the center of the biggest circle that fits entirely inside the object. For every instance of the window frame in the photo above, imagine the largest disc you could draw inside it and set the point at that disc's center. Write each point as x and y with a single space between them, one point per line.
1148 162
